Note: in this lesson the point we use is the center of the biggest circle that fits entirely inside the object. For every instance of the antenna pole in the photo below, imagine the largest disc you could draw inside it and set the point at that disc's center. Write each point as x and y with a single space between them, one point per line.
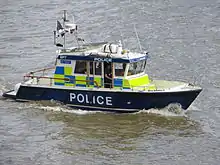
137 38
75 33
76 36
64 37
122 38
54 37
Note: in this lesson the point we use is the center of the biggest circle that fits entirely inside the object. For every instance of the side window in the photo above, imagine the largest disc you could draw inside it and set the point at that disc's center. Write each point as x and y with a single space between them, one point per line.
80 67
97 67
91 68
119 69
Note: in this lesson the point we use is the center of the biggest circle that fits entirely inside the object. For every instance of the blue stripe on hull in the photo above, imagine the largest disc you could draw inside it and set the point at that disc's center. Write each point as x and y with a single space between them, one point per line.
108 101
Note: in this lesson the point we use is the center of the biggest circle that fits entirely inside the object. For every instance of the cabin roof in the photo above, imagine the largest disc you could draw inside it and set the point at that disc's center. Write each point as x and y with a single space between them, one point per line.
102 59
91 52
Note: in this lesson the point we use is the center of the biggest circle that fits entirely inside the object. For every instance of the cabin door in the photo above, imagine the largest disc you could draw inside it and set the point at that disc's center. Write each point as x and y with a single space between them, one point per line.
95 74
107 75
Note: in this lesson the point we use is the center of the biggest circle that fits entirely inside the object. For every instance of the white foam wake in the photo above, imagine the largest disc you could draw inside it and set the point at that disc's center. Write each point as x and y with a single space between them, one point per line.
57 107
66 110
172 110
2 89
194 108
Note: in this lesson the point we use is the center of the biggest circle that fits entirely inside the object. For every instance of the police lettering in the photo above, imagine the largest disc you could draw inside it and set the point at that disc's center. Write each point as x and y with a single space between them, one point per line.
103 59
84 98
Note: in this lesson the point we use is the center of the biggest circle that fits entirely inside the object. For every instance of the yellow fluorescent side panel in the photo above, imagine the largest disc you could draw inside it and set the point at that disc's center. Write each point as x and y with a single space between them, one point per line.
98 80
61 80
81 80
126 83
68 84
139 81
68 71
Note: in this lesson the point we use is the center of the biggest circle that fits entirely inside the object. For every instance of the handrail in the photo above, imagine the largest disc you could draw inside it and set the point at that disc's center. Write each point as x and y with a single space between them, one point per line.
41 70
39 77
53 78
96 84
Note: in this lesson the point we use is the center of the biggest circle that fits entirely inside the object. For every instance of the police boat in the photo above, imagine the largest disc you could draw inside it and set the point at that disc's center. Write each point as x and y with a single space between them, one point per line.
100 76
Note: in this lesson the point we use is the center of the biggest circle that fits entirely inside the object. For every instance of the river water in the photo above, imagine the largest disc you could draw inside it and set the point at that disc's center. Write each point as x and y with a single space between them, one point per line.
183 38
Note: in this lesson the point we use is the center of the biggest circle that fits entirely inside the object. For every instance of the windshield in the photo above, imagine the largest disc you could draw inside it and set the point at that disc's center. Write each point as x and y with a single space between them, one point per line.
137 67
119 69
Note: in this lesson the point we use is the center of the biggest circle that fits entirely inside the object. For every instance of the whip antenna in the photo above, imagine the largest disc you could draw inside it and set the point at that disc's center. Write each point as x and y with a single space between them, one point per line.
64 37
137 38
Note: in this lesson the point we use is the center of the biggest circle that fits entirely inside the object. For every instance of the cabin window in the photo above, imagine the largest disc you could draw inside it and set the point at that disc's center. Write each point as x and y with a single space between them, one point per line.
119 69
80 67
96 68
137 67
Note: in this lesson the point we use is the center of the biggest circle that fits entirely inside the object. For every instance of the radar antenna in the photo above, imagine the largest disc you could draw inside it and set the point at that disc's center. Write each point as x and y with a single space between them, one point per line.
64 28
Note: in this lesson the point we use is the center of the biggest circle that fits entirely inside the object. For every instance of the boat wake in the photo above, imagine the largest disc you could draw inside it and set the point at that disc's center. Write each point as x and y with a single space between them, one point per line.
55 106
172 110
193 108
66 110
2 90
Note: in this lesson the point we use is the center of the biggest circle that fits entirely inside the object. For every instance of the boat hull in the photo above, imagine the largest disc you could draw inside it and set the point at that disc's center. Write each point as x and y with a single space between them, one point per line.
108 100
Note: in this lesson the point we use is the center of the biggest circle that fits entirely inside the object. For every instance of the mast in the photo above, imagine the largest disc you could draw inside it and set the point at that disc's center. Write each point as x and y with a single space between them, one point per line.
63 28
54 37
64 37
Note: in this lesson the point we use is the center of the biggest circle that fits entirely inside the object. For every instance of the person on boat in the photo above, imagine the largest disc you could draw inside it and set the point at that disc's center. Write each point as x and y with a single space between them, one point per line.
108 76
123 70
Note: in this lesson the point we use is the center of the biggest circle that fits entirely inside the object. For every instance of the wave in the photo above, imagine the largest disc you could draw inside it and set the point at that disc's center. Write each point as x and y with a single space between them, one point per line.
193 108
3 88
172 110
57 107
67 110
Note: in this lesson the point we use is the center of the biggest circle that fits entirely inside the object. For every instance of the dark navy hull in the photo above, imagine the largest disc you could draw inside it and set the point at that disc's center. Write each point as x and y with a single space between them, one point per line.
108 100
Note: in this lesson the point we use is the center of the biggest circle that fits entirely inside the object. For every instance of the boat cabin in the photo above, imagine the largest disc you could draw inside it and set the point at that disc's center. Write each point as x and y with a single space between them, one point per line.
101 65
